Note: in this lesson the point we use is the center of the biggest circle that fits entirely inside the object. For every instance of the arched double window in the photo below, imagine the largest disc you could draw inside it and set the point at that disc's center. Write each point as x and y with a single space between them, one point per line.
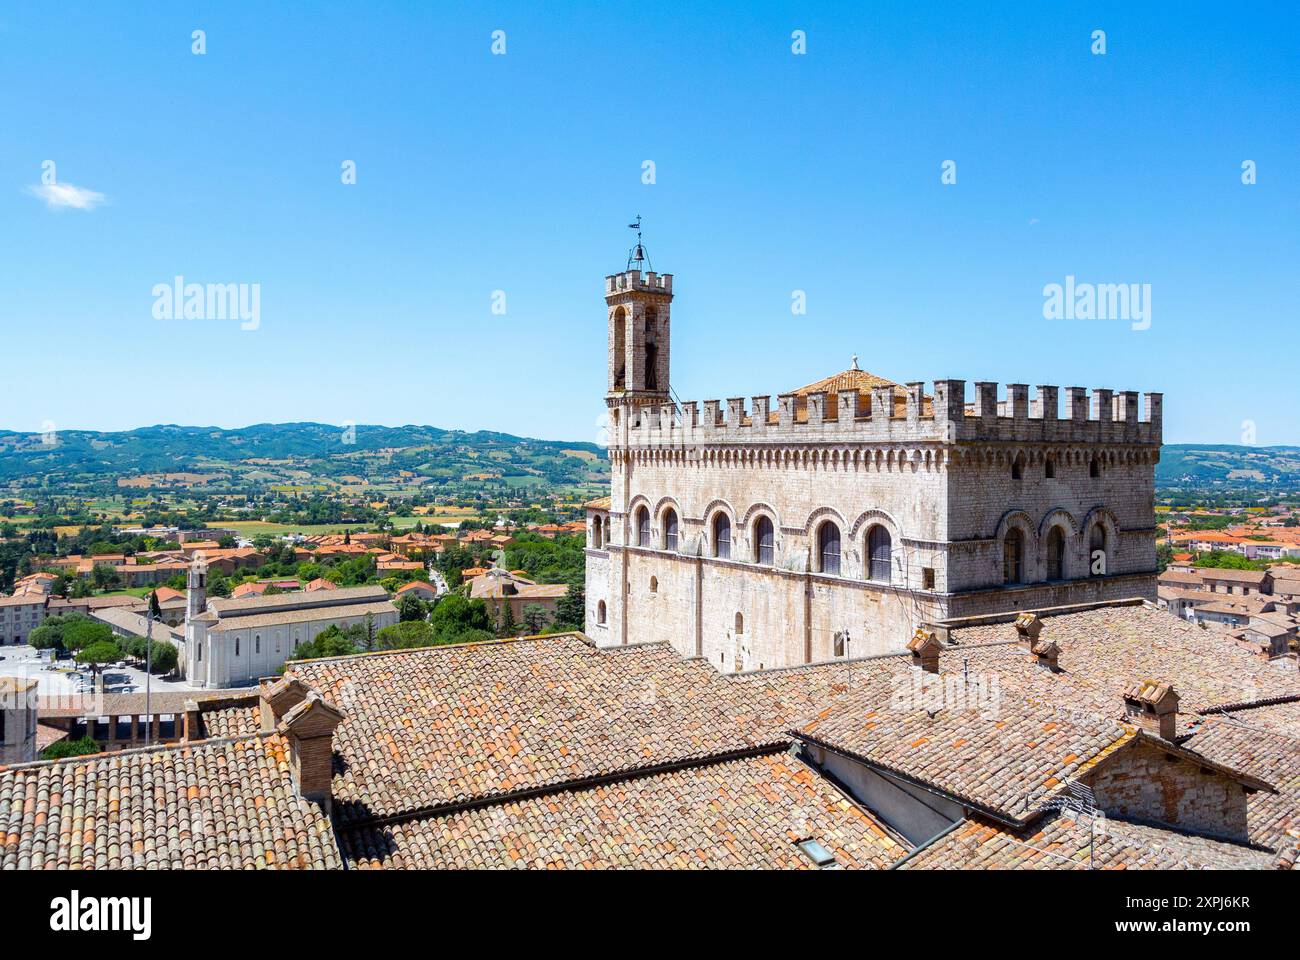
764 541
828 548
722 536
1013 556
1056 554
642 527
670 529
880 550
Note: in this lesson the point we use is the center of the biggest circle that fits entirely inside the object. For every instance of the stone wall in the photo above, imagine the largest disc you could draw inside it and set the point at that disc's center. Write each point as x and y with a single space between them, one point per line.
1143 782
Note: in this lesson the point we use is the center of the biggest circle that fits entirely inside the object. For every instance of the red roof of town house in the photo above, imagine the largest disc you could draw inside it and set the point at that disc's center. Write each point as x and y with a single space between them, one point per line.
417 585
320 583
469 573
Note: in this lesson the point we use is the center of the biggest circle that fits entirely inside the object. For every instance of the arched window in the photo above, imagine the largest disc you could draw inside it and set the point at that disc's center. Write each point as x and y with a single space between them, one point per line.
764 541
596 539
642 527
1055 554
1097 551
1049 468
880 548
670 529
607 530
1013 556
828 548
236 646
722 536
257 643
654 584
740 623
1018 469
1094 468
620 348
600 612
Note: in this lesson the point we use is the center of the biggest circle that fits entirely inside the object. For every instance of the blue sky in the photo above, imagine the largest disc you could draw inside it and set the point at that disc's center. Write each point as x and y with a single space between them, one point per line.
774 173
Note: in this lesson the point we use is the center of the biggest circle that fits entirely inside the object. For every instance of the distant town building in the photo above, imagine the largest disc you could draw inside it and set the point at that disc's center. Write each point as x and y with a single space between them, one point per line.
231 642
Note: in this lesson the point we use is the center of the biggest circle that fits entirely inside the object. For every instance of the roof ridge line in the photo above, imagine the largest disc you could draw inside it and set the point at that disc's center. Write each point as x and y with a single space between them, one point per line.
565 786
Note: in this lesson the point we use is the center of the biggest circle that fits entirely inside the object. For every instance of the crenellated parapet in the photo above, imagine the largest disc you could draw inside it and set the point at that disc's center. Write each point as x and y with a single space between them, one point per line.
903 414
631 281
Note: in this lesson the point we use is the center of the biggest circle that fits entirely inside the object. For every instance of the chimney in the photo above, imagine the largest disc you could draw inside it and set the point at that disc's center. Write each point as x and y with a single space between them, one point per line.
278 697
1153 706
1046 653
309 728
1028 627
192 729
925 649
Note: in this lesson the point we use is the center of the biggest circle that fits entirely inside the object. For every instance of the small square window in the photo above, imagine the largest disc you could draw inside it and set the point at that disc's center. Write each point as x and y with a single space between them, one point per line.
927 578
819 855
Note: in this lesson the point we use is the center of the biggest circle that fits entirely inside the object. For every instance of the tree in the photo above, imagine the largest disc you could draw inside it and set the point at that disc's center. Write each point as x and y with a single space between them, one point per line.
405 635
84 632
535 617
70 748
455 615
96 655
409 608
571 609
330 642
104 577
507 627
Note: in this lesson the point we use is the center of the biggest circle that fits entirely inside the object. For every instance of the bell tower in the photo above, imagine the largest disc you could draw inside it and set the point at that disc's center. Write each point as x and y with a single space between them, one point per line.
196 592
639 306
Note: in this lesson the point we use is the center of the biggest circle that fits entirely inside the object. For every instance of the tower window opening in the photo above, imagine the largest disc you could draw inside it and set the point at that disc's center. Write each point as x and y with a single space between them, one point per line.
764 541
722 537
828 548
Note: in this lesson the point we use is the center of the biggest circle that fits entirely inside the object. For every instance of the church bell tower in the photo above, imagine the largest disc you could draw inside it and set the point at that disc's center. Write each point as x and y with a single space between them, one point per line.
639 306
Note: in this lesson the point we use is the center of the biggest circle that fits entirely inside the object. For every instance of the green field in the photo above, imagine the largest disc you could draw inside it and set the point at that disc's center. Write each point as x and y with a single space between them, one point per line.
252 528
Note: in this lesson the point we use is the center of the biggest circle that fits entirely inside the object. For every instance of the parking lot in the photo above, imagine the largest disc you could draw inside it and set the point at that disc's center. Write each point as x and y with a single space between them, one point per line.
65 678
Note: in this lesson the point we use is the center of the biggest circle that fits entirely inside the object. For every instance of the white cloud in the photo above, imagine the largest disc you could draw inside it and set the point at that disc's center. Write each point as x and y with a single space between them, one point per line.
60 195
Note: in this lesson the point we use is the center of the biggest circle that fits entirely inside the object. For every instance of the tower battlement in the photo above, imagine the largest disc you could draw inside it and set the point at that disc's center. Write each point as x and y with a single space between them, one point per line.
631 281
905 414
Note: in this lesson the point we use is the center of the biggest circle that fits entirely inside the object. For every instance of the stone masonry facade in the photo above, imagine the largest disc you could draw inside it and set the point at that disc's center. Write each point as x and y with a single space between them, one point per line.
834 523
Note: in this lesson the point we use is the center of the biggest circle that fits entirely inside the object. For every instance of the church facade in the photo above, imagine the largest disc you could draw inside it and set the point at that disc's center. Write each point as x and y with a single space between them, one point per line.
833 523
234 642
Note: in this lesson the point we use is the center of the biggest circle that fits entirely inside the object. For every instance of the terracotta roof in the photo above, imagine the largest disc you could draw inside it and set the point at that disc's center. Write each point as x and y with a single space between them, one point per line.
1236 576
1007 759
600 503
1105 650
273 618
859 380
233 720
1237 740
417 585
230 608
1060 842
225 804
449 724
746 813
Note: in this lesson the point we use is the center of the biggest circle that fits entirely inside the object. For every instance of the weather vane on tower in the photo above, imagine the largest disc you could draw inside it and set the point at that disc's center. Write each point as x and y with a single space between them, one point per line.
638 253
